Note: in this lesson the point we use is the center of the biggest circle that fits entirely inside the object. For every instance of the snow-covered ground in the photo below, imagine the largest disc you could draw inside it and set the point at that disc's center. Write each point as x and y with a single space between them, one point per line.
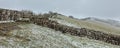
6 21
42 37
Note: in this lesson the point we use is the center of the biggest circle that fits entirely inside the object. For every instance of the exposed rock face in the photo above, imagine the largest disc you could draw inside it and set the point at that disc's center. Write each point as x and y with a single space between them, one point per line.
82 32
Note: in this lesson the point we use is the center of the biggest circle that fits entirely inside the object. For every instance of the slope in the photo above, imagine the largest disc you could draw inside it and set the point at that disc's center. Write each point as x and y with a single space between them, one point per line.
87 24
34 36
110 22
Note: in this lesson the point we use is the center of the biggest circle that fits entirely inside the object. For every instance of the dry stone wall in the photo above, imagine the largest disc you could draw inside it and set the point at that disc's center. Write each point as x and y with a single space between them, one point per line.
81 32
6 14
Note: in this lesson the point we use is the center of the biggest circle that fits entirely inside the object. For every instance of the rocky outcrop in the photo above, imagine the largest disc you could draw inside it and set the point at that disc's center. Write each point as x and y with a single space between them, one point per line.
81 32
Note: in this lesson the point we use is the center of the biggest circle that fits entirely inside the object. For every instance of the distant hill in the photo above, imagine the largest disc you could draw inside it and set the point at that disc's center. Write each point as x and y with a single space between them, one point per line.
106 21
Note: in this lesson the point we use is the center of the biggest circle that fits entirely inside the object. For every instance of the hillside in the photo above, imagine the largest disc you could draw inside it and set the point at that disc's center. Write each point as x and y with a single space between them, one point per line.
53 30
104 21
88 24
34 36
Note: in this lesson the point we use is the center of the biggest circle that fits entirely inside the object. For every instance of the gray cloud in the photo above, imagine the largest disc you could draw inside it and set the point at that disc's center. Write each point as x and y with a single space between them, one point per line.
78 8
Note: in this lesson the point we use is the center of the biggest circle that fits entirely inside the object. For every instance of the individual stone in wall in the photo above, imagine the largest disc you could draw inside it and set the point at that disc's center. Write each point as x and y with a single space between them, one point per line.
8 14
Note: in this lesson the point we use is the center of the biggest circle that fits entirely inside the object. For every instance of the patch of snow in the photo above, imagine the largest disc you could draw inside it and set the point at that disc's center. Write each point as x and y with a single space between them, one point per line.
6 21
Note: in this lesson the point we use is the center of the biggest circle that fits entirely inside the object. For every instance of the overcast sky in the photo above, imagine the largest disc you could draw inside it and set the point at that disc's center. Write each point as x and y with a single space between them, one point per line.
108 9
